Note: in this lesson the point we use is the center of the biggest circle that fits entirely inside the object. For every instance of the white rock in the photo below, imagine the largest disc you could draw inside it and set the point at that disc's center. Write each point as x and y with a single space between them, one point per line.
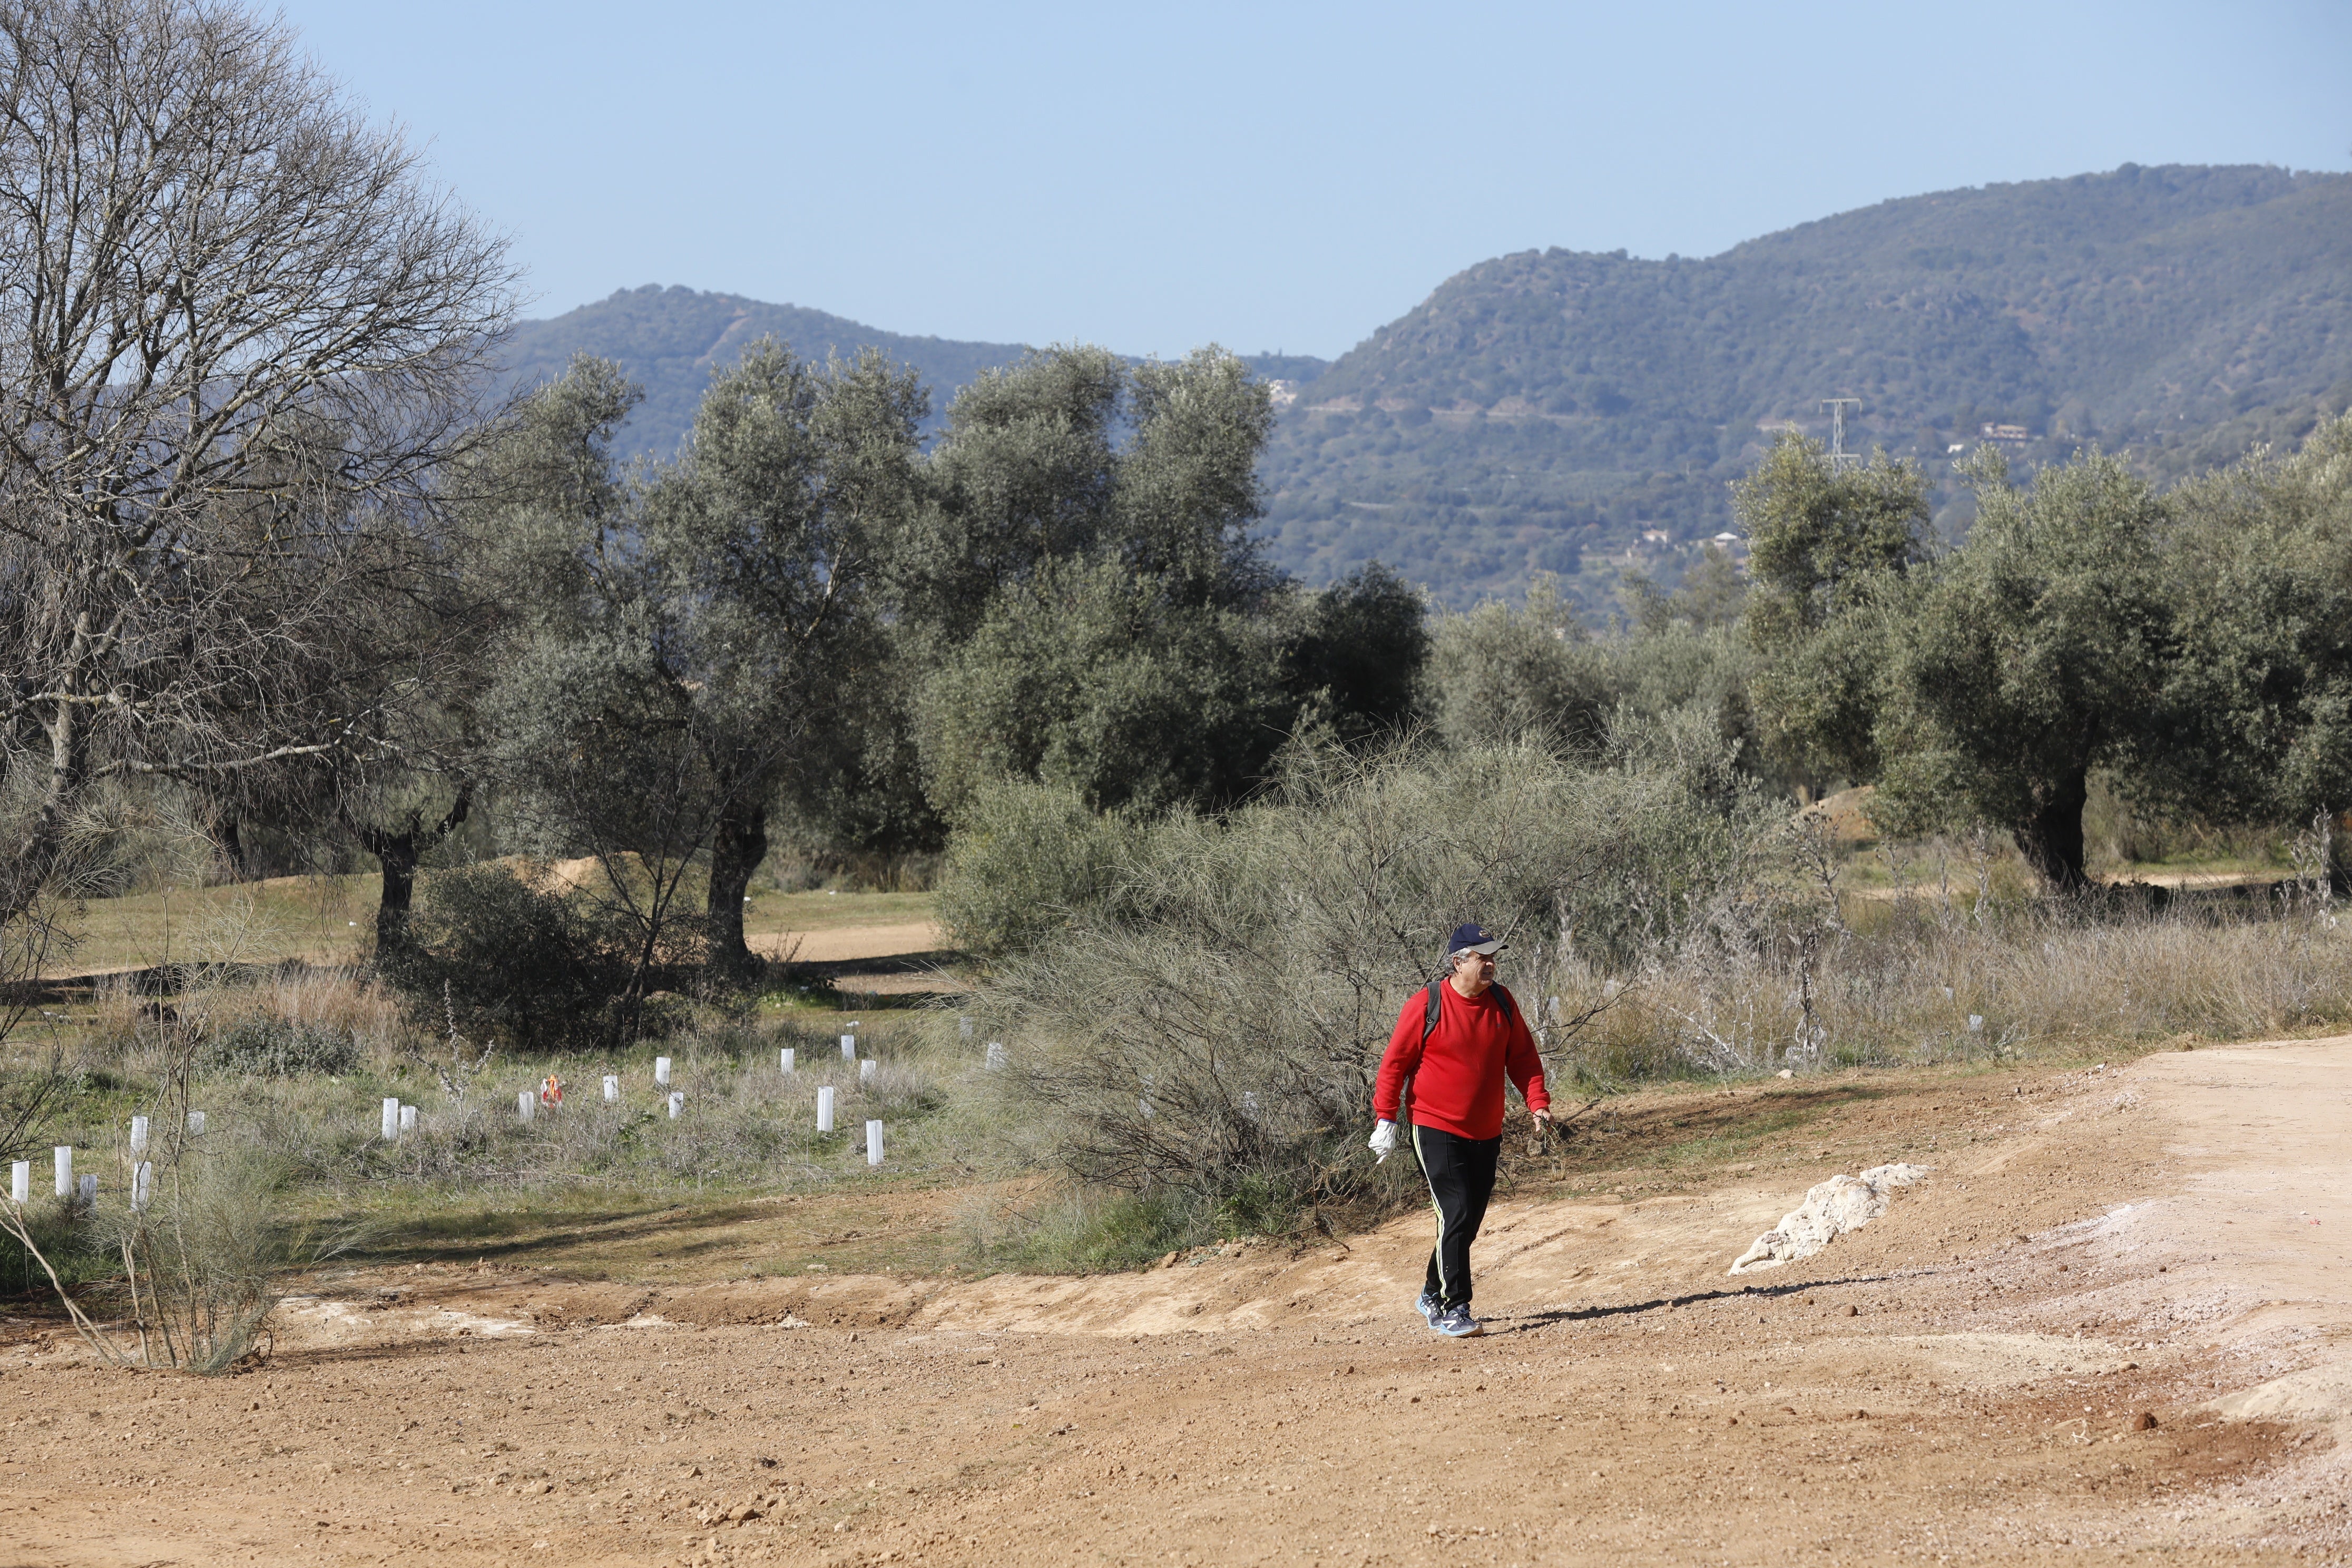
1842 1204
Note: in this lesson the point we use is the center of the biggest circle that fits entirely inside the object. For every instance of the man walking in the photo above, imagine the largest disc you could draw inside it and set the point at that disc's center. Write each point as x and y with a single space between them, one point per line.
1454 1042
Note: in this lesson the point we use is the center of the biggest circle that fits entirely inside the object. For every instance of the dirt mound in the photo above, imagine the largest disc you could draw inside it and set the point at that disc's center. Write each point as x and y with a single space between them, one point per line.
1845 816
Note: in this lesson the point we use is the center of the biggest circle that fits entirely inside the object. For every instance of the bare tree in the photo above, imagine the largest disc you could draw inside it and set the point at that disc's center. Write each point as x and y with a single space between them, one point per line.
240 335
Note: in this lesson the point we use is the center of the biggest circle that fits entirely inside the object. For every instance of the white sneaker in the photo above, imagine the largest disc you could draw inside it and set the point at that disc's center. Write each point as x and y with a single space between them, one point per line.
1456 1323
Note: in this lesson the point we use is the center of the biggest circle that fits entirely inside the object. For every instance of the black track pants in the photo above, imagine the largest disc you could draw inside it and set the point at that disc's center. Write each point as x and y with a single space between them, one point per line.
1461 1172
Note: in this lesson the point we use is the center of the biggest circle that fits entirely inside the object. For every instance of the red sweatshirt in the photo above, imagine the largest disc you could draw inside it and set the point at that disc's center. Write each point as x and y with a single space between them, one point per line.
1457 1077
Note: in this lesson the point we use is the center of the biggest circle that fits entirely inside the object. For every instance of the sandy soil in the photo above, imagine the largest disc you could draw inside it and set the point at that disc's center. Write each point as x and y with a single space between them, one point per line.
892 941
1971 1378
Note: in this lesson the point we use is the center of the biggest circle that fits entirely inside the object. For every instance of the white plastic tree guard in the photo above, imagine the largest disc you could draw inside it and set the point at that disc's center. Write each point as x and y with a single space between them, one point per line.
865 1069
849 1048
196 1123
20 1182
409 1119
138 1135
873 1143
784 1059
526 1105
88 1191
389 1119
661 1071
995 1054
143 1184
611 1087
825 1109
963 1024
62 1156
677 1104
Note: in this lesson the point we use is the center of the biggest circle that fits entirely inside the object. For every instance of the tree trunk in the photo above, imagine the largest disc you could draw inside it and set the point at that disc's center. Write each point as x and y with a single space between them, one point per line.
2051 837
228 847
736 847
398 853
40 849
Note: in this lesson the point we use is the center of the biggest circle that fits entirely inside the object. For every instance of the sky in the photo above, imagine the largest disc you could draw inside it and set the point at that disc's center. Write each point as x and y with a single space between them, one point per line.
1268 176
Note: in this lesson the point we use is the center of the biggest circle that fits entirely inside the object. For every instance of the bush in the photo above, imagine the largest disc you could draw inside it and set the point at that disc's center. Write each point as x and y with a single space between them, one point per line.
212 1250
1027 860
511 957
265 1046
1501 672
1212 1031
1088 1233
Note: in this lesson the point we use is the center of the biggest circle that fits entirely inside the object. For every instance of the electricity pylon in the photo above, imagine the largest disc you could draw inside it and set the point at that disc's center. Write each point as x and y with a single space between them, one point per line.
1839 456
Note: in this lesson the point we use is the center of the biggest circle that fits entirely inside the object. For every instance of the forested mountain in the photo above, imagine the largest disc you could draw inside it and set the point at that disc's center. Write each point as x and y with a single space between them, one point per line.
1558 410
1545 410
669 340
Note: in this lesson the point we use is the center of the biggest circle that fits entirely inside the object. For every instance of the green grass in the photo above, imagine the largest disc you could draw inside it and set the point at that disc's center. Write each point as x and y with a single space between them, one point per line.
773 911
322 920
329 920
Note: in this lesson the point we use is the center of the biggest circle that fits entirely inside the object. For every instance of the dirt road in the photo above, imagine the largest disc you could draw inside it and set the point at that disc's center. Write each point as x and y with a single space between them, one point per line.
1968 1379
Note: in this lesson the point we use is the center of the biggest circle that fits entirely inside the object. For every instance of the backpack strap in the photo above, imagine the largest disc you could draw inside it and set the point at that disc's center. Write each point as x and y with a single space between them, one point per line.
1434 1006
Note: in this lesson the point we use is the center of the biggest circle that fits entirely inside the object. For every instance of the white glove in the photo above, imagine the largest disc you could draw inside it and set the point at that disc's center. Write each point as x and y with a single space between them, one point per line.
1383 1140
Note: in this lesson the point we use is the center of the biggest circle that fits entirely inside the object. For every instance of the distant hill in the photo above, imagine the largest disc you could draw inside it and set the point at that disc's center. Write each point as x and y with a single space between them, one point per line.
1547 410
670 340
1583 414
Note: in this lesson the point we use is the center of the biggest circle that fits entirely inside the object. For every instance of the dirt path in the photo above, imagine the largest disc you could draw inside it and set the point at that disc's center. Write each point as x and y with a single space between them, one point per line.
890 940
1962 1381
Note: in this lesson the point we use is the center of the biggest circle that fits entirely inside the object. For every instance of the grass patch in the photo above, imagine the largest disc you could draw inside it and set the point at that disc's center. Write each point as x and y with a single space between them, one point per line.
769 913
330 920
1085 1232
319 920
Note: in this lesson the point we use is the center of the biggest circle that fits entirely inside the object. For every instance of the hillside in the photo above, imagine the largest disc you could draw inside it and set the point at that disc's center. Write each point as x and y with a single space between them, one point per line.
1545 410
1583 413
671 339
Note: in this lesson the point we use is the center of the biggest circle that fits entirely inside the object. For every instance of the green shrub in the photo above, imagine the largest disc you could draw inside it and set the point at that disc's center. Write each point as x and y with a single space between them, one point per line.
62 1231
512 960
1090 1232
1027 860
1213 1029
265 1046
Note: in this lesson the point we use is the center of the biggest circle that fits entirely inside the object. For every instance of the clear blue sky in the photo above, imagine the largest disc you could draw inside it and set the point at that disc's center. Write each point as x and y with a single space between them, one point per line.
1270 175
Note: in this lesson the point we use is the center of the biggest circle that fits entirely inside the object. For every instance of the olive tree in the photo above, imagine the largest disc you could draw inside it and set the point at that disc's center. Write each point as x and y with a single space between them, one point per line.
682 633
1826 545
1081 599
1984 683
1503 671
2257 712
763 542
2030 656
240 334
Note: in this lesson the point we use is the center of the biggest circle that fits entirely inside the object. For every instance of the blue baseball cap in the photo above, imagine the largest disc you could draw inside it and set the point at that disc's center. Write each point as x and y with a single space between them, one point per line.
1472 938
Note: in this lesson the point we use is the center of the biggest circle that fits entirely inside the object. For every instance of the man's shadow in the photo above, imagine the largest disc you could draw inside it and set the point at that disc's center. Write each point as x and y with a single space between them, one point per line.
1527 1322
